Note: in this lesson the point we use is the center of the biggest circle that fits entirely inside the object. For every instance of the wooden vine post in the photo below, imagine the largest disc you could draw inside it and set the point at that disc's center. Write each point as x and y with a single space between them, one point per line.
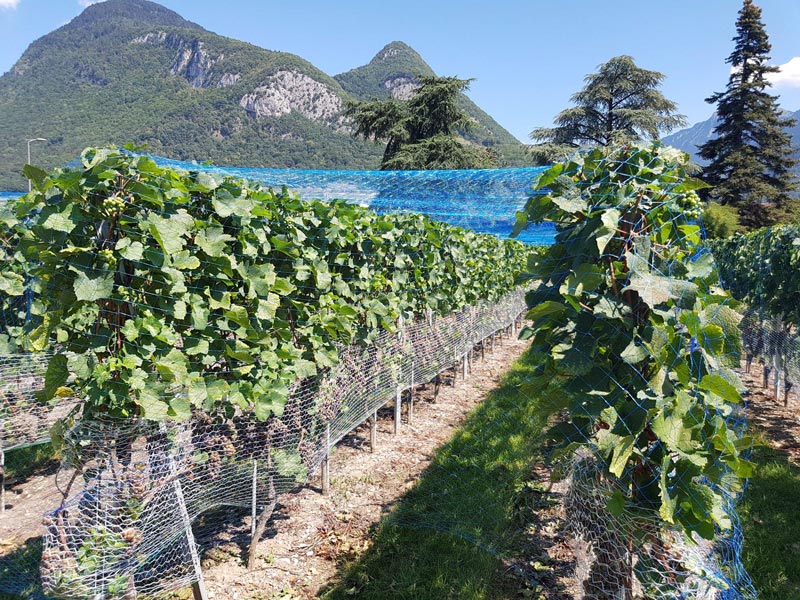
254 500
398 397
373 431
326 461
266 513
198 586
2 472
411 396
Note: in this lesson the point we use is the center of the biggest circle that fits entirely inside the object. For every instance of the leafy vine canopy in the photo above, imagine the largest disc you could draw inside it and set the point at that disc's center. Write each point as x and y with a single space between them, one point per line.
161 290
636 338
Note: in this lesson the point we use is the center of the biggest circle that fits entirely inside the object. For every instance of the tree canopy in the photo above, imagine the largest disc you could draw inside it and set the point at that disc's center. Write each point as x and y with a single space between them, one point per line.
751 153
422 132
621 102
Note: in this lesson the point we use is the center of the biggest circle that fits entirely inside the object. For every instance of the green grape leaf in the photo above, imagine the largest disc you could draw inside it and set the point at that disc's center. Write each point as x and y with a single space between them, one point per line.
95 286
720 387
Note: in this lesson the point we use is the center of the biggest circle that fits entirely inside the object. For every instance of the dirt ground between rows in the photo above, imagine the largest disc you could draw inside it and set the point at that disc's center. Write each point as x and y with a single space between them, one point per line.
780 424
311 533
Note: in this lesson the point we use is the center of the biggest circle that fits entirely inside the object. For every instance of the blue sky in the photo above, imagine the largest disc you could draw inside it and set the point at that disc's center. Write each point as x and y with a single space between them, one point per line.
527 57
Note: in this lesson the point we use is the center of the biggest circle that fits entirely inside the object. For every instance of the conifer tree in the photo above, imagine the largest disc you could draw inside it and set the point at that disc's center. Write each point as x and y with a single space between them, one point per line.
751 153
422 132
619 103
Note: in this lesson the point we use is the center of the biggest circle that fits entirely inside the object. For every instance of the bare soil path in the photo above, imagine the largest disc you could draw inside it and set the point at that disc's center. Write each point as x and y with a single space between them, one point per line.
780 424
312 533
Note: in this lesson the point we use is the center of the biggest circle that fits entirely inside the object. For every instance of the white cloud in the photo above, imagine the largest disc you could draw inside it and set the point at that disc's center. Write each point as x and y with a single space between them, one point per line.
85 3
789 74
9 4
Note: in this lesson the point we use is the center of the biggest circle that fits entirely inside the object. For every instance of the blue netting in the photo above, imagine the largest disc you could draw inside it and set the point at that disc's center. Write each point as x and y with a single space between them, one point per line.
484 200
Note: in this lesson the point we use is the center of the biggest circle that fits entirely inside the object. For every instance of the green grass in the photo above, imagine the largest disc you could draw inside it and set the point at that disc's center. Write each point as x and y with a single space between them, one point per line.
770 513
430 547
23 462
18 572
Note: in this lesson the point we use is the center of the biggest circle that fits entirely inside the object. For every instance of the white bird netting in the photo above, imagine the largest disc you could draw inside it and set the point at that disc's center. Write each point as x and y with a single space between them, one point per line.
776 346
627 555
24 420
122 524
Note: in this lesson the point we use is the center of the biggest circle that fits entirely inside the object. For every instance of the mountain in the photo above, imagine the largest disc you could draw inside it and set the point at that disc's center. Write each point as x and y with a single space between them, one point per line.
133 71
689 139
395 71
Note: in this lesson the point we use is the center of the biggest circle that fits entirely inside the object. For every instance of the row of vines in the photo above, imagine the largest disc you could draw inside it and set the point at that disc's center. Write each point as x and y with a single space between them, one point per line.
219 336
163 290
762 268
637 344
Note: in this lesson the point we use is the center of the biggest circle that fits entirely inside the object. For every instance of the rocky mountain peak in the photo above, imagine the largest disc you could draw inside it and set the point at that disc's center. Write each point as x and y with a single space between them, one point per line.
142 12
394 51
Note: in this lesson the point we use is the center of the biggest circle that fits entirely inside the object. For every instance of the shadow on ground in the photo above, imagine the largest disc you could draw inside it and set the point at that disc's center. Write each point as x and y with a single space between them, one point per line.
770 513
444 539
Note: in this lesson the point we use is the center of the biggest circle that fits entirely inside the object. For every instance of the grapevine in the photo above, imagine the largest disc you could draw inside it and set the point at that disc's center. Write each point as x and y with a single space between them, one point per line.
164 291
636 342
761 269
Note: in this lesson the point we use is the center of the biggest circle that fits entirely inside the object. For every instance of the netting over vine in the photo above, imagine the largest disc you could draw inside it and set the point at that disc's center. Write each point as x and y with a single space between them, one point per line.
484 200
24 419
129 523
221 336
132 489
761 269
638 344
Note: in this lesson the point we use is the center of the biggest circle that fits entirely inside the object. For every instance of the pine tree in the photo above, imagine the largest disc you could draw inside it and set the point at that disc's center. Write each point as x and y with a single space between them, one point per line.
422 132
751 153
621 102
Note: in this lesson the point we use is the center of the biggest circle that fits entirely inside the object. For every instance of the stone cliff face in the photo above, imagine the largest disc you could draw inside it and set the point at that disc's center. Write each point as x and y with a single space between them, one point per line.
281 93
154 37
192 61
228 79
194 64
289 91
401 87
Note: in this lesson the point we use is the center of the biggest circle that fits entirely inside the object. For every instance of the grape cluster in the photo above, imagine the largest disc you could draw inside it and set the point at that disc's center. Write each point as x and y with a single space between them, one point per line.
107 256
690 205
113 206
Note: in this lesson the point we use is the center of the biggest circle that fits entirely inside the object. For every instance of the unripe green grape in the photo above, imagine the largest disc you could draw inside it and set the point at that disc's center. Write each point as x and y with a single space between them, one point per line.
107 256
113 205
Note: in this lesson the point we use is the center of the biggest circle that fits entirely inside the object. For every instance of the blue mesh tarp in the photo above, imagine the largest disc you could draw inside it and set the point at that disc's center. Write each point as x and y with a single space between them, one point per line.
484 200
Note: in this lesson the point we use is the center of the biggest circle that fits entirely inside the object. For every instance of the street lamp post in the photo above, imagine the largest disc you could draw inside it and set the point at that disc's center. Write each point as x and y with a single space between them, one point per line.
29 155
